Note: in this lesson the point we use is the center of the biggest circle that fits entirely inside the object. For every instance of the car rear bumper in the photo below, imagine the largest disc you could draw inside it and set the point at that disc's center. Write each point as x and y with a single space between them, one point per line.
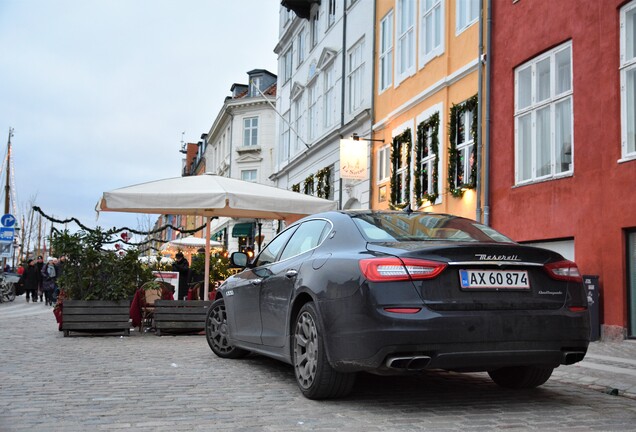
380 341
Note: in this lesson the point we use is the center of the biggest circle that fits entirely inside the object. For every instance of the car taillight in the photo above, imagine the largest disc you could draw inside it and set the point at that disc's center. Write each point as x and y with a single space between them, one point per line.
390 269
564 270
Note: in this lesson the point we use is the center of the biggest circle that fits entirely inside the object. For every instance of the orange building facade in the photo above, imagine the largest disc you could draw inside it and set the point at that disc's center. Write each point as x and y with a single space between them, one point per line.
425 106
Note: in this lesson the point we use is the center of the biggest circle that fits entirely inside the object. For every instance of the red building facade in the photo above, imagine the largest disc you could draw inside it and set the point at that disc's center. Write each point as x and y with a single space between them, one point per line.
562 138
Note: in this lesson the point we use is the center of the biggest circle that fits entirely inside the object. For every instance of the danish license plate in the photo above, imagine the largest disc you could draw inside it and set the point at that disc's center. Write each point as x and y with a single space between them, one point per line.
505 279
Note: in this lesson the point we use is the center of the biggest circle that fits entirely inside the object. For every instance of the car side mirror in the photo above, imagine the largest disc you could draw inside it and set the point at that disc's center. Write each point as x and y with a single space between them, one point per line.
239 259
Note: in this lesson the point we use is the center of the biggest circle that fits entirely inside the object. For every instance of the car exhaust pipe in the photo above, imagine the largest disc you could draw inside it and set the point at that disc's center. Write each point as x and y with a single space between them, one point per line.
571 357
408 362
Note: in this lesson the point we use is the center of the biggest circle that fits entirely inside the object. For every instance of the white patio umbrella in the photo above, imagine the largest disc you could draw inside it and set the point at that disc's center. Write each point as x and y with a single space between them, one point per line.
194 242
212 196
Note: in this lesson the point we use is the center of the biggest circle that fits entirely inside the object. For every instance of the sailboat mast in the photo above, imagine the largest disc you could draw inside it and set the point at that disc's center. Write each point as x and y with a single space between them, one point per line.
7 188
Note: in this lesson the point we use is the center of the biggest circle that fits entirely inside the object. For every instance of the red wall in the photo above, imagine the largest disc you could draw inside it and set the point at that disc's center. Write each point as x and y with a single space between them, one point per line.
597 203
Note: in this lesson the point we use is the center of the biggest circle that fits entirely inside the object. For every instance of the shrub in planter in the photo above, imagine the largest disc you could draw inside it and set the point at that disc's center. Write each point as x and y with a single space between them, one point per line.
89 272
96 285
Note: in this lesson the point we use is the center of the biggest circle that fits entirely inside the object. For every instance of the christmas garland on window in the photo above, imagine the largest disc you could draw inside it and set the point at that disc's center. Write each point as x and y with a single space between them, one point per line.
396 146
323 186
296 187
453 153
433 123
308 185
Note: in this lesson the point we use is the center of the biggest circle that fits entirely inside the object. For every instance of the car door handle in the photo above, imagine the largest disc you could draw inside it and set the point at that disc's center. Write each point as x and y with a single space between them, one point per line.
291 273
257 281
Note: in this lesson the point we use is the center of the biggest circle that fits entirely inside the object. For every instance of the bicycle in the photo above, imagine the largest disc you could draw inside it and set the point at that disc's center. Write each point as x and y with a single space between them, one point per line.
7 287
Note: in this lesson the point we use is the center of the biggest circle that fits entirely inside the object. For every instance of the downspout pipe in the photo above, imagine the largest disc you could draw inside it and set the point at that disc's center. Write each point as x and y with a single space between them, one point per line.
342 86
480 99
487 125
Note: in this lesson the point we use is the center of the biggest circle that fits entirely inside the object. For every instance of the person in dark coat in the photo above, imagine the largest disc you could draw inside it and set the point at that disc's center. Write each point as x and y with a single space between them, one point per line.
182 266
39 264
30 280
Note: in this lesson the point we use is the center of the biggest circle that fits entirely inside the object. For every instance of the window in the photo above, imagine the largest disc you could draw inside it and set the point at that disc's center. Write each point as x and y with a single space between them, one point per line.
427 164
431 29
384 164
300 48
248 175
255 85
402 177
307 236
313 112
297 124
628 80
386 51
467 14
405 39
314 28
288 61
543 116
355 76
270 253
284 137
250 131
465 143
329 104
331 16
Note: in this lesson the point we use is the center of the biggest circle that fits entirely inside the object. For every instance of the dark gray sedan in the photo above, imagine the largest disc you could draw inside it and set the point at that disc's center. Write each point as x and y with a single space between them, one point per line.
398 292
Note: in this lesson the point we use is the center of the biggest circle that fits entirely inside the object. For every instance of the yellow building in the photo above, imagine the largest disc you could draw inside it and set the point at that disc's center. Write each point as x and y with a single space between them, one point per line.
425 105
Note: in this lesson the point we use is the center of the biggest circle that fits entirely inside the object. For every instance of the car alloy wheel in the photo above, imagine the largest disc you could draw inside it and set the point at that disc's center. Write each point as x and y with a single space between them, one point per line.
306 350
314 375
216 332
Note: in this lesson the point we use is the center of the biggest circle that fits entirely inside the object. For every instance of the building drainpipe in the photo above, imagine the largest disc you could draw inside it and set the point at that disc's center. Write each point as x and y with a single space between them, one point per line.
480 74
342 86
487 130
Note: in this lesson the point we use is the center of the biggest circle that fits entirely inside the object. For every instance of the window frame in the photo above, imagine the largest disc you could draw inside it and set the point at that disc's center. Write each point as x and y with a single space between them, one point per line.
288 64
437 50
627 66
329 103
463 17
385 61
255 176
248 131
405 41
533 107
383 165
312 111
355 76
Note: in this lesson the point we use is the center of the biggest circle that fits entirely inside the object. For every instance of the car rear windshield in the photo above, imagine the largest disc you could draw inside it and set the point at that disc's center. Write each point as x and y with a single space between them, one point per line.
392 227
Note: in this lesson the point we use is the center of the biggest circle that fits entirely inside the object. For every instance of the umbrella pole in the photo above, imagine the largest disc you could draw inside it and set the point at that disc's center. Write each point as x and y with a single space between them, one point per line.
206 280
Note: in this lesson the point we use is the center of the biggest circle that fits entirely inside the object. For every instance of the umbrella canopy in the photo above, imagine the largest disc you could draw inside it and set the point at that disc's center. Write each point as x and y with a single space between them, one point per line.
195 242
212 195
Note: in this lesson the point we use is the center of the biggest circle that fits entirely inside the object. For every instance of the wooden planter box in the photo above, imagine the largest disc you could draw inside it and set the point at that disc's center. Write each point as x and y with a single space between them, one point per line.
183 316
95 316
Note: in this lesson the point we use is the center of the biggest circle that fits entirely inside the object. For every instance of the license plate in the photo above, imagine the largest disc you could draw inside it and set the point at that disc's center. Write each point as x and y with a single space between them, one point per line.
506 279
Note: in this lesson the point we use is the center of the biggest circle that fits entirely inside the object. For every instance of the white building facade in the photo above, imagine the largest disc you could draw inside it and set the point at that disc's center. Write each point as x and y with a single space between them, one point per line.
241 144
325 61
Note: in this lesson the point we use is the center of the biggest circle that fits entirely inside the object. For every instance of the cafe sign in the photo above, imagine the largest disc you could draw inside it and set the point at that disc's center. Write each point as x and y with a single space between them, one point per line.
353 159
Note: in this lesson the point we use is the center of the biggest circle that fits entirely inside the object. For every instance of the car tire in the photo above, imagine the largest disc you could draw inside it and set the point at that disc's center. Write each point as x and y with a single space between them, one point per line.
314 375
521 377
216 332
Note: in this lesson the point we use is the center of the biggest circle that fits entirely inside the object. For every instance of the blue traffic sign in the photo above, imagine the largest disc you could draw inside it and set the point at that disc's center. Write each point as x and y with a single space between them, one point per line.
6 234
8 220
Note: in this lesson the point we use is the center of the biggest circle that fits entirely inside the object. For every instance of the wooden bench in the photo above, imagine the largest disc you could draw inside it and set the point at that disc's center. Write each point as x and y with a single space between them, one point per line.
95 316
182 316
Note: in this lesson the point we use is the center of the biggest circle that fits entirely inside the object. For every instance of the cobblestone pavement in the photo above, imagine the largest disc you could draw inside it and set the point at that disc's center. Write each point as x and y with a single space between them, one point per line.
175 383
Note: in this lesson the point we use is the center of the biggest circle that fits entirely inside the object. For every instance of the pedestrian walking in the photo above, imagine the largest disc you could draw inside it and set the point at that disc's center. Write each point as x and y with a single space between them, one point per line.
29 280
48 280
39 264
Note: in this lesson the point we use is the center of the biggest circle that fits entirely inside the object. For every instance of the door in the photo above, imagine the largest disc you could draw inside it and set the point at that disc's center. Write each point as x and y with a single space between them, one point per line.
278 289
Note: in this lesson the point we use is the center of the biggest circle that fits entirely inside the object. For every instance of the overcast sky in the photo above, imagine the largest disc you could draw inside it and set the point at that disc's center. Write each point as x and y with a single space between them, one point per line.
99 92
